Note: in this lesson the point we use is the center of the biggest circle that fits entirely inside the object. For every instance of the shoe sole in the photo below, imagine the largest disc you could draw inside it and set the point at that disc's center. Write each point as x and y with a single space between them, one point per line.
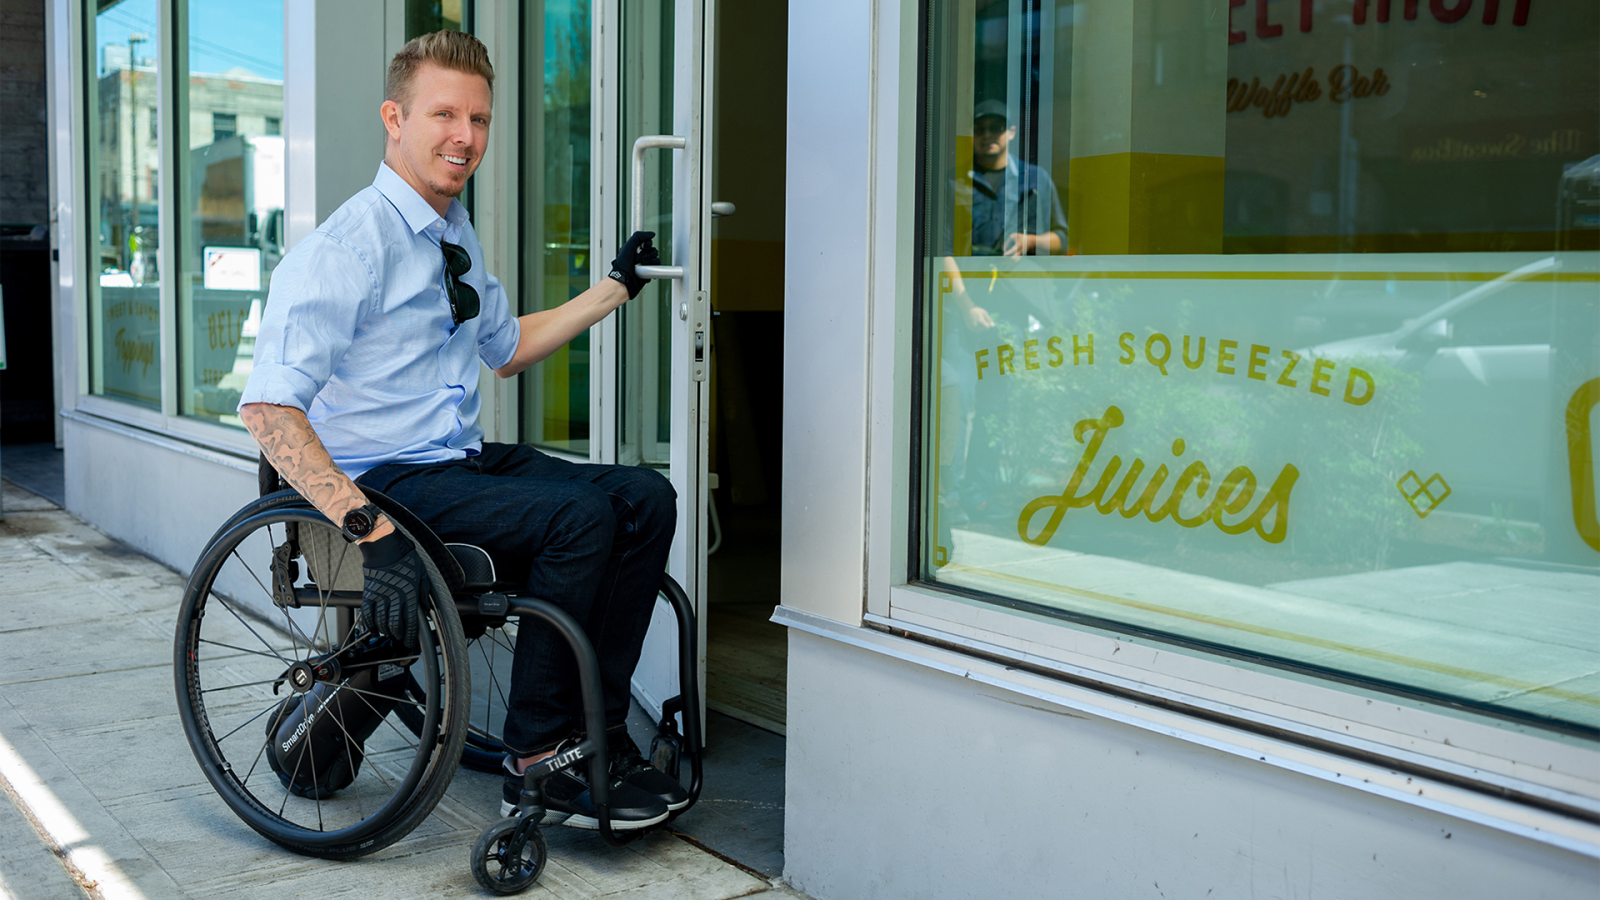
588 823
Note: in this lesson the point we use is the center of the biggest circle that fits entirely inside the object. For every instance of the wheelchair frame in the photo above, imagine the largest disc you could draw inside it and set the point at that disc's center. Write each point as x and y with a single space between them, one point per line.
514 843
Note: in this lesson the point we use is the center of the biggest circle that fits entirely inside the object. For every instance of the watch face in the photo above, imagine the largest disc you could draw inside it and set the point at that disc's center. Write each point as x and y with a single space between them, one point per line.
358 522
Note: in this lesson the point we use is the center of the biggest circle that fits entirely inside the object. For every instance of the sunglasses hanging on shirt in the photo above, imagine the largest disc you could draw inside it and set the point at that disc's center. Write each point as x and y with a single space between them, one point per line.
463 297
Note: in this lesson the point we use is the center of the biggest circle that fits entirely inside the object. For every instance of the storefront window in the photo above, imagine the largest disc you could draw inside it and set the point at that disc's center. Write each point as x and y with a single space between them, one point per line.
231 194
556 247
1274 328
124 167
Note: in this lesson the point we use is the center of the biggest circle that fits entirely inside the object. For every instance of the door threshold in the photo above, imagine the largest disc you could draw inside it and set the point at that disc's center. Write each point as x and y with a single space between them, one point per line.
749 718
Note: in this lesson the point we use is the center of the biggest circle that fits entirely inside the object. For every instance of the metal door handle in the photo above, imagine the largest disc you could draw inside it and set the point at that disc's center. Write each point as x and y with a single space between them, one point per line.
720 208
651 142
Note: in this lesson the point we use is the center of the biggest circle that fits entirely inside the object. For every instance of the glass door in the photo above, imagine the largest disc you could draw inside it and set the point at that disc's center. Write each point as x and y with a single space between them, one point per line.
655 354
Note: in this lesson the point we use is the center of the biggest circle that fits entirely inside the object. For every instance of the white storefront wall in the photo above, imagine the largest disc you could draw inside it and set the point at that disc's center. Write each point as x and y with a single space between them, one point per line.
940 747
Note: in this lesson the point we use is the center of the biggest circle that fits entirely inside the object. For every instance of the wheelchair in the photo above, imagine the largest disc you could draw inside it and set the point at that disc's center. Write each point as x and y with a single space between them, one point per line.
335 743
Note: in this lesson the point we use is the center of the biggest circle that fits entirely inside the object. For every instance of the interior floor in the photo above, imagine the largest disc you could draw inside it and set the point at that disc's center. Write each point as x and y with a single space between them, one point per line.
746 654
740 813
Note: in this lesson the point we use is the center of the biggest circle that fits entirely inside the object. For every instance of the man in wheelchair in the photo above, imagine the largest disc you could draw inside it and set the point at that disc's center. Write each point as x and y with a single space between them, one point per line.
366 371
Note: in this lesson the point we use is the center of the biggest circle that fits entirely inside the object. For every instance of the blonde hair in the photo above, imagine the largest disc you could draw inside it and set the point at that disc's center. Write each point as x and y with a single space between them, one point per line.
455 50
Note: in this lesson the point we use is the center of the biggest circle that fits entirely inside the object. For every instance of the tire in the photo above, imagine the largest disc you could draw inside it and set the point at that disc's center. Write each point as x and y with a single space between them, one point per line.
232 670
498 871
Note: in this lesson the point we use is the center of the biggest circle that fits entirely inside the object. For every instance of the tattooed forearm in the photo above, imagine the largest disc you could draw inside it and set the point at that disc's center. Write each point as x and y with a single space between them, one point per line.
289 443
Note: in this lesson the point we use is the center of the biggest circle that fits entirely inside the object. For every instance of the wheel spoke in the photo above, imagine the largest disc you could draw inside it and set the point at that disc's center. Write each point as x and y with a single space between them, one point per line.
388 698
244 684
311 751
324 594
276 724
385 720
297 760
229 607
311 646
268 592
247 722
494 682
274 653
402 661
346 644
349 740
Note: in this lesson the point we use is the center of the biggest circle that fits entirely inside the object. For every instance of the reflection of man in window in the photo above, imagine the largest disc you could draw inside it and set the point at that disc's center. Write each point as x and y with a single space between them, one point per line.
1015 212
1015 208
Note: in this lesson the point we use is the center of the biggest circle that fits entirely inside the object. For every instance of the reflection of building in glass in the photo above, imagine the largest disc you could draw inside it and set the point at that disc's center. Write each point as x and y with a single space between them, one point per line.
235 102
129 160
221 107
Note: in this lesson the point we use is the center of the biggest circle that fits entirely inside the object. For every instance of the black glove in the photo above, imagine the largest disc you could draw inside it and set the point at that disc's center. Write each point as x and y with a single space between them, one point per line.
390 598
637 251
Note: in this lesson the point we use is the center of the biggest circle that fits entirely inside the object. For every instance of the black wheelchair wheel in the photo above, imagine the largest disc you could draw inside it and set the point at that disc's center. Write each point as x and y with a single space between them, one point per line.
490 645
505 869
273 669
489 656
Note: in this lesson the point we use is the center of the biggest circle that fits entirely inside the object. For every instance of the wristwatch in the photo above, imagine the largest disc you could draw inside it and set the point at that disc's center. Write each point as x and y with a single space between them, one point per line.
359 522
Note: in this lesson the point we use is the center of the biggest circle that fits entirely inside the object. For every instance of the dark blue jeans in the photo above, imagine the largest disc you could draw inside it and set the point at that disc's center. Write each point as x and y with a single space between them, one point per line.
596 538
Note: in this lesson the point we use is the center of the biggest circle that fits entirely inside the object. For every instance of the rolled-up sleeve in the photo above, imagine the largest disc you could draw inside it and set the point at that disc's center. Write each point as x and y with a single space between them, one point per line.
500 332
318 296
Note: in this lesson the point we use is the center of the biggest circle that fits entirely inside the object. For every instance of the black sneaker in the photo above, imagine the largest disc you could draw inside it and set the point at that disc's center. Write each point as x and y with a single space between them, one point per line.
566 800
628 764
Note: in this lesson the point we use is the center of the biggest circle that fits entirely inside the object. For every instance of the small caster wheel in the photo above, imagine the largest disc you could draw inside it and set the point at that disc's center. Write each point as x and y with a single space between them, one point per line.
509 856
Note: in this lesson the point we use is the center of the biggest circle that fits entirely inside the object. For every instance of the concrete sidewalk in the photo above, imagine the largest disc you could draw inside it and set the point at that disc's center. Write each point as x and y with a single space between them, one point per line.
105 798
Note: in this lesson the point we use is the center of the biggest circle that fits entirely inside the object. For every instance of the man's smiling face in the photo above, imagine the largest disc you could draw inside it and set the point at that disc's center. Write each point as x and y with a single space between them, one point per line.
438 137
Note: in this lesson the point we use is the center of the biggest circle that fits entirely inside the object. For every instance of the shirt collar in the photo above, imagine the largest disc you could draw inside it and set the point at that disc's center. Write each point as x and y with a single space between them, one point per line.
415 210
1012 170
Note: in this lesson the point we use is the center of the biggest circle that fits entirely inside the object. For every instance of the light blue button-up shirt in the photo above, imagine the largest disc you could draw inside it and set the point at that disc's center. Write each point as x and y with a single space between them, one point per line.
357 332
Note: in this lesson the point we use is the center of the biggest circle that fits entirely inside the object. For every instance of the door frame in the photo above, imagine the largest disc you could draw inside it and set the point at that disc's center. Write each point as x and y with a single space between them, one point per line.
689 309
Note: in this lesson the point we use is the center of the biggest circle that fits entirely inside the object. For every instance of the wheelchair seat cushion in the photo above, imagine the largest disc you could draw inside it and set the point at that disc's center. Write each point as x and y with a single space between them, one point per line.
477 568
484 572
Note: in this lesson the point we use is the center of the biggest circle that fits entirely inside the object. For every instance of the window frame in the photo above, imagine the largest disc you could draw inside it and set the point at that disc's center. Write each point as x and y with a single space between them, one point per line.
167 418
495 218
1546 778
168 421
84 69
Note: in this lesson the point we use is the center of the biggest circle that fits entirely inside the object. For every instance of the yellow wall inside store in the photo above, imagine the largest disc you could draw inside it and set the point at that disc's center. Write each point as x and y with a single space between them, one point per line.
750 122
1145 203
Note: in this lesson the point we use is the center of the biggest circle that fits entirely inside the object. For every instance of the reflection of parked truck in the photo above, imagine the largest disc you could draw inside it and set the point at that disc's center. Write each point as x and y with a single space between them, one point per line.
238 195
237 202
1578 206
